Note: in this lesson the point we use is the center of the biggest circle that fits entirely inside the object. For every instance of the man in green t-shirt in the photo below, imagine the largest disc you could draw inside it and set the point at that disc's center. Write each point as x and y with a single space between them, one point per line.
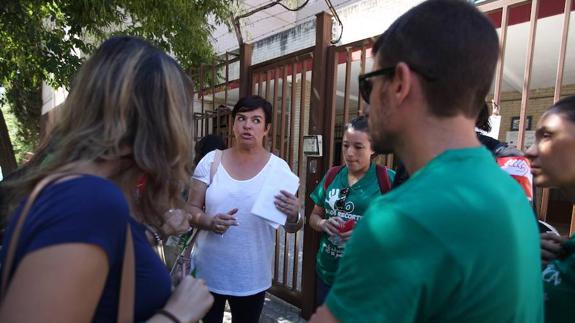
458 242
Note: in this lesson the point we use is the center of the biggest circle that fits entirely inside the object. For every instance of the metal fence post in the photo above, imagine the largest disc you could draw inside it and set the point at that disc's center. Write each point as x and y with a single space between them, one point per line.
315 167
245 62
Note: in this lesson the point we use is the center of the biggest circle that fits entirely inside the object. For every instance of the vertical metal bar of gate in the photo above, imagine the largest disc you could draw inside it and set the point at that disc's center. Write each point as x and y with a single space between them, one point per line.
347 95
331 103
527 75
283 113
214 82
274 134
301 124
268 81
291 143
260 84
283 153
254 83
275 108
347 91
202 99
501 61
291 146
360 102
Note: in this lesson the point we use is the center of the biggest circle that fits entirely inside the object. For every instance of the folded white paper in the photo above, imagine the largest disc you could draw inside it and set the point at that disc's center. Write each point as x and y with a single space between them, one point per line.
264 207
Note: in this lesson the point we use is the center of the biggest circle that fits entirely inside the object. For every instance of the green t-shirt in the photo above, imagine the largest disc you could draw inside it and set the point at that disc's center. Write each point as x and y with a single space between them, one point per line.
358 199
559 285
457 242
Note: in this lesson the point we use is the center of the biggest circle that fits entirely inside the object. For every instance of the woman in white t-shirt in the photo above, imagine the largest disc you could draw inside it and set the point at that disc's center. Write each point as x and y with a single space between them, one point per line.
234 253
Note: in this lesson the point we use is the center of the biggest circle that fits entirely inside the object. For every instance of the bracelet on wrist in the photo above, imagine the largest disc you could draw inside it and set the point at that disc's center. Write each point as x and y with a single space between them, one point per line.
169 315
296 221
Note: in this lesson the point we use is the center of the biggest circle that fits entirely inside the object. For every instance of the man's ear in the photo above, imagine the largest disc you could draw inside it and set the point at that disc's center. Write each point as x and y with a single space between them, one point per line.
403 82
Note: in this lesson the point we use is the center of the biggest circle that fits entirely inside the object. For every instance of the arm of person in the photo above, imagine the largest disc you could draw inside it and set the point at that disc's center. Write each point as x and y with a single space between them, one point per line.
77 271
318 222
551 247
218 223
323 315
196 200
189 302
289 204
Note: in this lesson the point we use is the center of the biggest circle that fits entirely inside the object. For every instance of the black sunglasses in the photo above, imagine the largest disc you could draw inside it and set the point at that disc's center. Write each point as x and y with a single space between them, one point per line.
342 197
366 85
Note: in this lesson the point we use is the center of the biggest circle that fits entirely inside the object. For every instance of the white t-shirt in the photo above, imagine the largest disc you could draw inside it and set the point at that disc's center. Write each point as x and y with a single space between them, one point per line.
239 262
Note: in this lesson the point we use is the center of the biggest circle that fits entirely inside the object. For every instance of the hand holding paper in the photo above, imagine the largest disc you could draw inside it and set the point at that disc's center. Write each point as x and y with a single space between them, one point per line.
288 204
265 204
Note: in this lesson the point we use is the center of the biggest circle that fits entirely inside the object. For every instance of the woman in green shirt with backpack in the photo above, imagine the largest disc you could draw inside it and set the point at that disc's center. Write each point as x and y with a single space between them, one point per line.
342 197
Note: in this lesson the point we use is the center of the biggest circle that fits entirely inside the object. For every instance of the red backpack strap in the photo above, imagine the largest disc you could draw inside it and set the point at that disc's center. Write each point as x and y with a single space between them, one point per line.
383 179
330 176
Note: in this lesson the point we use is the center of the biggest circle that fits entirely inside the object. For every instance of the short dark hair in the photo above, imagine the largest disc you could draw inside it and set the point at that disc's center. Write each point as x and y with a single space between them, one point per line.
452 45
358 123
207 144
482 121
564 107
253 102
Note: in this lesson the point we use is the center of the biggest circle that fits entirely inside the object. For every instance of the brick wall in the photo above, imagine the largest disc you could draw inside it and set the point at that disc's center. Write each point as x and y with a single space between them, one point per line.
539 101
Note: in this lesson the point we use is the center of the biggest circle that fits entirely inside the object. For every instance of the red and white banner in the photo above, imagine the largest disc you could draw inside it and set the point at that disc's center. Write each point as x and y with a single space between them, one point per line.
520 169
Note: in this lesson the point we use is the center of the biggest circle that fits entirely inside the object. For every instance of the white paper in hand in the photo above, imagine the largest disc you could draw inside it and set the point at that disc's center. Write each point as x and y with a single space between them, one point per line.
264 207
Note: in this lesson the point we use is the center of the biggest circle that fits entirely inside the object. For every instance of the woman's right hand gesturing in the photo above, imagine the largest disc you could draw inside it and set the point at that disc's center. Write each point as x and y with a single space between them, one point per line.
219 223
189 302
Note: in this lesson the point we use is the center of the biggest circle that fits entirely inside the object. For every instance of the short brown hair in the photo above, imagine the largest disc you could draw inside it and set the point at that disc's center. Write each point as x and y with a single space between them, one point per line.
453 45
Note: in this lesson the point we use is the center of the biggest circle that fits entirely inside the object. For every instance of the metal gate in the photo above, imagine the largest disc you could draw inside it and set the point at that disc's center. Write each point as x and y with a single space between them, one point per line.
286 83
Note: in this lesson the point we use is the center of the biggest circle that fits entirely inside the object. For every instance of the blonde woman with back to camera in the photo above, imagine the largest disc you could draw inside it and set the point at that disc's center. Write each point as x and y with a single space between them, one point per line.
128 115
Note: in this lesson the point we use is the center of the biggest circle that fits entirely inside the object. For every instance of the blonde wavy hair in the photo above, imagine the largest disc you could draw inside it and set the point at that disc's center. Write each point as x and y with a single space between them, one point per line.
129 94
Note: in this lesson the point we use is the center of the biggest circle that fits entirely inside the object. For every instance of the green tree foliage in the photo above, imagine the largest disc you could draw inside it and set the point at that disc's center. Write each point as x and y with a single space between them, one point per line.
48 40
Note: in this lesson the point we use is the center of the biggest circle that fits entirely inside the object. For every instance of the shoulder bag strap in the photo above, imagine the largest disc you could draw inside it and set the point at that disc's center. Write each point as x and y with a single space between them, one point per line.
127 284
13 244
215 164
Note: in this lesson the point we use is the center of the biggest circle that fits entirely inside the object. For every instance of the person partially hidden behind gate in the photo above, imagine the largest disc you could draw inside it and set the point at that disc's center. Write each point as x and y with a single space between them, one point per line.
342 197
427 250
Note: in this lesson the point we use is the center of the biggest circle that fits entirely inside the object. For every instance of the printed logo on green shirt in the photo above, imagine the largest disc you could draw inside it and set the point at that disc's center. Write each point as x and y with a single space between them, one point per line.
551 275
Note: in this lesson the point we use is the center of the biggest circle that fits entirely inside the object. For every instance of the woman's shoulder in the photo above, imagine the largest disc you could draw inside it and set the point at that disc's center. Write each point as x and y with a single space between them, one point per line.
90 195
95 186
210 156
278 161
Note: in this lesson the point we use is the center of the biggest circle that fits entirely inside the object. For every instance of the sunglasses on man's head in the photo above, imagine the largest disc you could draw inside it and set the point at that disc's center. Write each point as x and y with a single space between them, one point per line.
342 197
366 84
